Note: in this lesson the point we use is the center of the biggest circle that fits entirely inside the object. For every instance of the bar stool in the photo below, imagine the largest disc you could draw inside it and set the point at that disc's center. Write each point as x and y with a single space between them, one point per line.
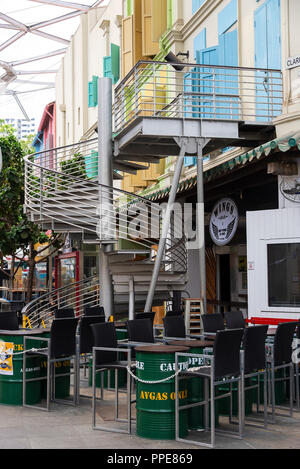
224 368
105 357
60 346
280 358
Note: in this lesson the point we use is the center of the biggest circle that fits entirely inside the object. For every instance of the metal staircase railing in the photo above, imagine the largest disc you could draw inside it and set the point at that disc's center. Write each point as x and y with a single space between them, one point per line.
41 311
62 192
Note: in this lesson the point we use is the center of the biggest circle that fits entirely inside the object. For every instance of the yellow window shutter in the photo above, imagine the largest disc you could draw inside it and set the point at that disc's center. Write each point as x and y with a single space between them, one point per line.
150 47
127 43
132 39
159 18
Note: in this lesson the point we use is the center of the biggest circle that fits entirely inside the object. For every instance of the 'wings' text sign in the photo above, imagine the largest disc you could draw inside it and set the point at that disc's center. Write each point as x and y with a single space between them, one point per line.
223 222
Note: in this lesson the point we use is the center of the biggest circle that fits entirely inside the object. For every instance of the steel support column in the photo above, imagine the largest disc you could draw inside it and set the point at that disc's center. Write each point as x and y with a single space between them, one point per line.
166 226
105 177
201 222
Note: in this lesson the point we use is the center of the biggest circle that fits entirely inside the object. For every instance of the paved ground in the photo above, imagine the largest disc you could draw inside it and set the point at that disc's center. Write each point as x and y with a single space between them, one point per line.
66 427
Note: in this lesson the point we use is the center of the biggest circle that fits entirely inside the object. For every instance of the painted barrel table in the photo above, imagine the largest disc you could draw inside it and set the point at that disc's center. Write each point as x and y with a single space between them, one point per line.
155 398
196 385
11 367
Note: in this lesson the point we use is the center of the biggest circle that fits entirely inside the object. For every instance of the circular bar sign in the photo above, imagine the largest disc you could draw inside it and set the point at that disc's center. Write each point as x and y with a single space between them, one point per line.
223 222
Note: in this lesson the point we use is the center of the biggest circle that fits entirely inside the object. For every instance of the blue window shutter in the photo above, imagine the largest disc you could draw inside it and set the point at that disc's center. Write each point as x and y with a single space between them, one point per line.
267 31
196 5
228 50
227 17
274 34
260 31
199 42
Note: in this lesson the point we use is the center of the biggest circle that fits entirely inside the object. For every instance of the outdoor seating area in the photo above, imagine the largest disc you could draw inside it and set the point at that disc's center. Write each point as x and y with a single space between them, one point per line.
171 386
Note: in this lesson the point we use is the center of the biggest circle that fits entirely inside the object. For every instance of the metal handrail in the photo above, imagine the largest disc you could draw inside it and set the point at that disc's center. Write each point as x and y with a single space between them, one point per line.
201 91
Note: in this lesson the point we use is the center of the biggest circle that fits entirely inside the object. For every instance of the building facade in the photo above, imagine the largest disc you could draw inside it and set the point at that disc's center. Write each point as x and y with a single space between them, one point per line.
258 41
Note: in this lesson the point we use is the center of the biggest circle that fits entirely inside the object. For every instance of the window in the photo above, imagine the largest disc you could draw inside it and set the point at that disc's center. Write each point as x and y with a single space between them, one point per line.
196 5
284 275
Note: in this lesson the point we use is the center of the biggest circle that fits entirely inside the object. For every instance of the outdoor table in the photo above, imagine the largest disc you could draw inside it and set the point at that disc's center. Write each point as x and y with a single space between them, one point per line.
11 367
155 393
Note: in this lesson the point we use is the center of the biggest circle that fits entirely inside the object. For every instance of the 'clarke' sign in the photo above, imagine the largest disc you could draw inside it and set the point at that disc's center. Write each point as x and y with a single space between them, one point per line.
293 62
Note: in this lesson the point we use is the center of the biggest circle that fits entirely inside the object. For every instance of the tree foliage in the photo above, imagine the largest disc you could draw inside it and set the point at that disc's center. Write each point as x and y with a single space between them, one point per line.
19 235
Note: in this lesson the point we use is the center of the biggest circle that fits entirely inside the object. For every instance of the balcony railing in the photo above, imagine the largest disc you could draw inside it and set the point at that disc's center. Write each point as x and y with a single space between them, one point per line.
192 91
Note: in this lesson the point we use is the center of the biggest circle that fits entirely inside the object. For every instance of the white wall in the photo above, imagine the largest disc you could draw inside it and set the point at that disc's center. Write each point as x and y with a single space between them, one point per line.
264 227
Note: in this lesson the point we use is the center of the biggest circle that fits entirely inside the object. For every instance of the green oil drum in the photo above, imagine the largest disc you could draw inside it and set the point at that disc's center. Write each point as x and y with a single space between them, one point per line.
109 377
155 402
196 385
11 369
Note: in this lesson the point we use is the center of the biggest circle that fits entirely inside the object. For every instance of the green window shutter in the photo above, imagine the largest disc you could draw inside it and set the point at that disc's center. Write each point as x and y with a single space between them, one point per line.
95 90
111 64
129 8
90 94
107 68
115 62
170 14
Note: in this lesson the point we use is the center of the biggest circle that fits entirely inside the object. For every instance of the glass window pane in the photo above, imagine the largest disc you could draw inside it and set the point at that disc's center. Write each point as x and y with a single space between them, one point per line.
284 275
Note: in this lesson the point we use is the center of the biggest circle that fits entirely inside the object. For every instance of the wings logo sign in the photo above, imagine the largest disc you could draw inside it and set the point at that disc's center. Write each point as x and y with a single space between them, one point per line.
223 222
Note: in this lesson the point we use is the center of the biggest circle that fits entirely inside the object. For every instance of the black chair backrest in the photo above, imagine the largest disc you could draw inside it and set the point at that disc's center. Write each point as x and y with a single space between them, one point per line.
140 330
63 313
254 345
174 327
227 352
213 322
63 337
173 313
234 320
9 321
86 338
94 311
146 316
283 343
105 335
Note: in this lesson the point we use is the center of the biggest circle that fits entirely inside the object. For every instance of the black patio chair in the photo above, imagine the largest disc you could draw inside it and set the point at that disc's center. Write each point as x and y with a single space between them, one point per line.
150 316
94 311
212 323
106 357
234 320
84 346
254 364
64 313
222 367
280 358
60 346
9 321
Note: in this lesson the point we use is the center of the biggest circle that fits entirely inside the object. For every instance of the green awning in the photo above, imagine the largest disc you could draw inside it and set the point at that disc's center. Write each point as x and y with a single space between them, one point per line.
290 142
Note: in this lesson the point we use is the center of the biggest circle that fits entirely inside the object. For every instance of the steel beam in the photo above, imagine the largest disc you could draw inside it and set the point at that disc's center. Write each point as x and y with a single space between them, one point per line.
166 227
61 3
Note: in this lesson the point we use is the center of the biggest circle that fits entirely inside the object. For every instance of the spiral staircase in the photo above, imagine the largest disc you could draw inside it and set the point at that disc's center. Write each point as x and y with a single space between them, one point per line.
62 193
